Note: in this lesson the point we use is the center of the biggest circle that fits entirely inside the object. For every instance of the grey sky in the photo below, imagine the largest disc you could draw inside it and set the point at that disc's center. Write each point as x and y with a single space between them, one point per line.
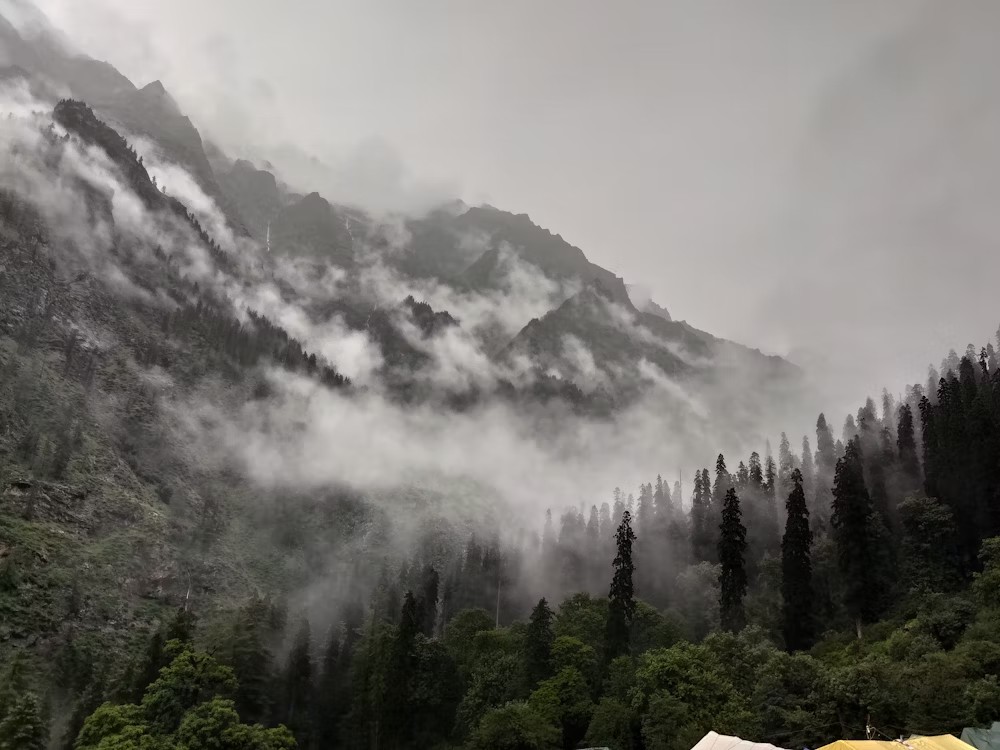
786 174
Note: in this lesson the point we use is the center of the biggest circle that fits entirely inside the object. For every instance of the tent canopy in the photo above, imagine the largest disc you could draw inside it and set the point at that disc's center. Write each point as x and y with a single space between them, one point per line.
716 741
983 739
941 742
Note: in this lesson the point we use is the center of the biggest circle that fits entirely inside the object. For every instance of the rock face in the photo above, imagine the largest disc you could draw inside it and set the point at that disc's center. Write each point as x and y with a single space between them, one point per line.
149 112
311 227
255 194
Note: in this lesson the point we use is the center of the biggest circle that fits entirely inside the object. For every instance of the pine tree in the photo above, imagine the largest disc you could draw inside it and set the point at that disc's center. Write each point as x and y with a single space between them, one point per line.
771 535
400 670
906 444
855 534
23 728
538 638
698 517
298 687
701 531
662 501
723 483
796 570
732 556
808 471
429 587
786 462
621 608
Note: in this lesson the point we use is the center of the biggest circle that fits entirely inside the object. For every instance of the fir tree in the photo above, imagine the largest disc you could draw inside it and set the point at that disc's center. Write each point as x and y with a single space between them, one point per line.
23 727
429 588
538 638
732 556
906 444
299 686
796 570
723 482
855 534
771 536
399 673
621 608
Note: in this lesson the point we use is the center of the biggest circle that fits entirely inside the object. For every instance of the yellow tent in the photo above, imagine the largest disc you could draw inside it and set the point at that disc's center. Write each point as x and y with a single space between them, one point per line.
941 742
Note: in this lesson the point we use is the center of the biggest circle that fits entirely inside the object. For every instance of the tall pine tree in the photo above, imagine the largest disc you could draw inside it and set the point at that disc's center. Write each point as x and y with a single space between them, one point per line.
538 639
621 608
796 570
855 534
732 556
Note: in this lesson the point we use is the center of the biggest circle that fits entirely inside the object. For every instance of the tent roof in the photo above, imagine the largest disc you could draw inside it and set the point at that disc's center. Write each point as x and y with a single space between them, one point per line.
716 741
983 739
941 742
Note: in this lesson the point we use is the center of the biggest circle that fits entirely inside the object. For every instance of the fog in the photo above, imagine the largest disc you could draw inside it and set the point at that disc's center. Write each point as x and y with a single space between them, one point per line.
814 184
815 181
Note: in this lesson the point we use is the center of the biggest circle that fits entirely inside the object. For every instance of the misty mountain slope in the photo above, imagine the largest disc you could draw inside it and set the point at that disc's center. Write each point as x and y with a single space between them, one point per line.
311 227
255 193
538 246
149 112
591 336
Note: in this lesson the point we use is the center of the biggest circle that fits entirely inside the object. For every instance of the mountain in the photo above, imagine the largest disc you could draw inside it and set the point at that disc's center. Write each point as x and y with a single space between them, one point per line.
148 112
255 194
312 227
541 248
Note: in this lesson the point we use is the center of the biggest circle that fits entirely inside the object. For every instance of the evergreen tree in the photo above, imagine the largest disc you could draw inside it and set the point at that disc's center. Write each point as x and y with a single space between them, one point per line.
429 588
824 463
538 639
929 557
698 517
770 520
786 463
399 673
23 727
906 444
723 483
662 501
732 556
855 534
298 687
808 471
621 607
796 570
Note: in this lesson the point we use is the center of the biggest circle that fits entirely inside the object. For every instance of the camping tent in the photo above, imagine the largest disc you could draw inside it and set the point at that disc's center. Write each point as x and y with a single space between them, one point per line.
941 742
716 741
983 739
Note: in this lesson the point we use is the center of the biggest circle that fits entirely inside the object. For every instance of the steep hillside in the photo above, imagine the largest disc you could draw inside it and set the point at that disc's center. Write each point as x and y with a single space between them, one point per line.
149 112
311 227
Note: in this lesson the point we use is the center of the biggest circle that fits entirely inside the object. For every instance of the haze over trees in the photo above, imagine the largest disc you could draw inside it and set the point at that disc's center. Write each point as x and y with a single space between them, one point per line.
277 473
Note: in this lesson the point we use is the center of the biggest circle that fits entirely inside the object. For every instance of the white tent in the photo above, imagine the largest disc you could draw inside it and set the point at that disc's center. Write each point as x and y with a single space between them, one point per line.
716 741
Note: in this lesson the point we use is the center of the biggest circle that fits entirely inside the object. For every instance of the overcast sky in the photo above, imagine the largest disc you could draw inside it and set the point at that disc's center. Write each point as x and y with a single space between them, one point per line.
786 174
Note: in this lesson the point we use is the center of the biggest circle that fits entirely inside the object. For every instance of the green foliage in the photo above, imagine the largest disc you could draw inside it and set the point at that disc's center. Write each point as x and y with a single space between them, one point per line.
192 677
22 726
514 726
564 700
986 584
184 707
683 692
929 560
614 725
459 634
538 640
